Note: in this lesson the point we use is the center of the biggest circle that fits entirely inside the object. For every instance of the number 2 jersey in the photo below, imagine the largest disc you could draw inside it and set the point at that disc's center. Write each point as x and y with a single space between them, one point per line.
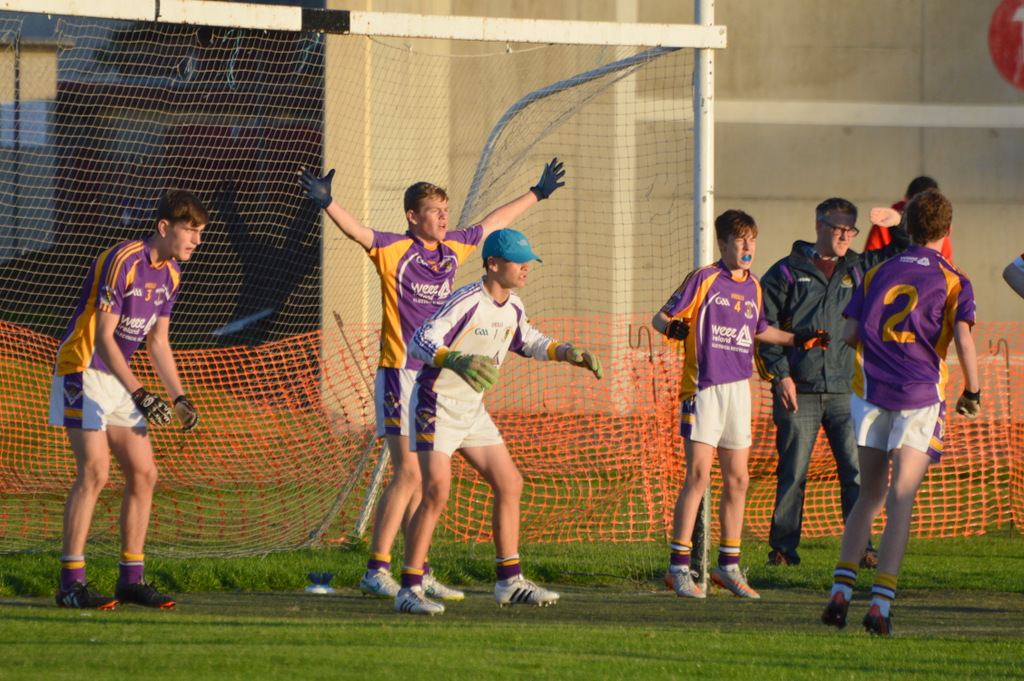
907 309
724 314
124 281
473 323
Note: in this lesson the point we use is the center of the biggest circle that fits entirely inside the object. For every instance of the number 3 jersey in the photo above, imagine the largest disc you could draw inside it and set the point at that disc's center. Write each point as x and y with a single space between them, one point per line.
473 323
907 309
724 314
123 281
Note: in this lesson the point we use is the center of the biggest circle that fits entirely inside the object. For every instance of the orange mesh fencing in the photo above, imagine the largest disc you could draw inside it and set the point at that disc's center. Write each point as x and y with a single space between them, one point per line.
283 451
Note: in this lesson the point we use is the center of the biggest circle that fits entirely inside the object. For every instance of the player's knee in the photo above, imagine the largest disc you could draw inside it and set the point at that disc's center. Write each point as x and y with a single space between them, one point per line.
435 494
510 485
143 478
697 477
92 477
736 483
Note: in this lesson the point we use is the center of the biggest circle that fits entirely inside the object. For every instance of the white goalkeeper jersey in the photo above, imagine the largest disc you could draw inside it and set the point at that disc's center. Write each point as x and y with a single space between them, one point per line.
473 323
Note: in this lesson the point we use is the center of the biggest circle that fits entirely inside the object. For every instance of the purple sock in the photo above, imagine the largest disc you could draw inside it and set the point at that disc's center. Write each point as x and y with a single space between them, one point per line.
72 569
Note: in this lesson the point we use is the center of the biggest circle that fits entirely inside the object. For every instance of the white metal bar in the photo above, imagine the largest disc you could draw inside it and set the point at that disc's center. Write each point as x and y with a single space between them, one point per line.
234 14
103 9
703 223
869 114
392 24
536 30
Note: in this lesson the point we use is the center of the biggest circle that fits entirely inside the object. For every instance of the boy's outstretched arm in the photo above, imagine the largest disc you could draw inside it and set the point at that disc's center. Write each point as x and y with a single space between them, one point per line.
969 403
318 189
802 338
550 180
580 357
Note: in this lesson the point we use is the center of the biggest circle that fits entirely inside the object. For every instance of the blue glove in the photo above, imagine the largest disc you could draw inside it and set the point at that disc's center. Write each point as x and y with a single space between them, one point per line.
549 180
317 188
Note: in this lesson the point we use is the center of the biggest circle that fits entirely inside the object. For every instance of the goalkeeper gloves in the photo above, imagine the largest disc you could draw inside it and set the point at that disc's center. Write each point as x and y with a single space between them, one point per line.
811 338
578 357
186 413
154 409
317 188
549 180
677 329
477 370
969 404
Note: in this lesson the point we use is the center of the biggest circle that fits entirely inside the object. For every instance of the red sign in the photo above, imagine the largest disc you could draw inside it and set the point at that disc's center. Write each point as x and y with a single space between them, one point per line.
1006 41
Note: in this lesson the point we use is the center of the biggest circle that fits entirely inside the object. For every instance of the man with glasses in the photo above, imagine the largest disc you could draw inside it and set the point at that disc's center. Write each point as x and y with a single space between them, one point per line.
811 389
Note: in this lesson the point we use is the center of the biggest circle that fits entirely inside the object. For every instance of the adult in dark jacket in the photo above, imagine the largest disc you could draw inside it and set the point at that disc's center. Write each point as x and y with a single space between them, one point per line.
811 389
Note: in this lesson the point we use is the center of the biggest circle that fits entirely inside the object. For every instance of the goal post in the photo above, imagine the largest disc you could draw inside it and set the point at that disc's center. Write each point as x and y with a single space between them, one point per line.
277 328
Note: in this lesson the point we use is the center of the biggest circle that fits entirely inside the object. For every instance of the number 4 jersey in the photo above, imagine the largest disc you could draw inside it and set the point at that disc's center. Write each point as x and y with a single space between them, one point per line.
724 315
907 309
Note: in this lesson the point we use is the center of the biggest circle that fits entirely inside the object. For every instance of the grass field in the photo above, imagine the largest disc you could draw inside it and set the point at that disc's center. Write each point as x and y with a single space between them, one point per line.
960 613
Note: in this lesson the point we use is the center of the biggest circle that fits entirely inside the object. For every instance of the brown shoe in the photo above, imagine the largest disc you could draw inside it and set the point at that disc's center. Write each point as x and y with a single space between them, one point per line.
870 560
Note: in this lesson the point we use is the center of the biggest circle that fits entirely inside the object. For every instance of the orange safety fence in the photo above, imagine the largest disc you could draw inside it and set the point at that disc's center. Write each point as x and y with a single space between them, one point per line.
284 448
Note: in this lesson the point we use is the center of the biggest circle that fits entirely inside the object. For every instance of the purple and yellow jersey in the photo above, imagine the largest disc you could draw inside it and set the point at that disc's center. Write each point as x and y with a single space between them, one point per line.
724 315
414 281
473 323
123 281
906 310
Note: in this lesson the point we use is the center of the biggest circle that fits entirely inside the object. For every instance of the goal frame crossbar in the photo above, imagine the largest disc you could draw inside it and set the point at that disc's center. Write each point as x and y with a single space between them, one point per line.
385 24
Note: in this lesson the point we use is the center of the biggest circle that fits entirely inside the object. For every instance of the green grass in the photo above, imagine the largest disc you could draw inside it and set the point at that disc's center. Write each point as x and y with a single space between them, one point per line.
960 613
989 562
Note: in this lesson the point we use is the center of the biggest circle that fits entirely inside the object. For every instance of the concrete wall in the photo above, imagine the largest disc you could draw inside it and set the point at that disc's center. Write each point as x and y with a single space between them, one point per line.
820 98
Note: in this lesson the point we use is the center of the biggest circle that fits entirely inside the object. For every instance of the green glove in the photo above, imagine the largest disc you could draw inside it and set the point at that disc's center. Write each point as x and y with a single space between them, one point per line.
578 357
477 370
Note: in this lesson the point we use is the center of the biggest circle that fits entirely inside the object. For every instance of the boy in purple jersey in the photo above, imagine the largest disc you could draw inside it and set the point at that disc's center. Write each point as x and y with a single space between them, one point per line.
722 305
417 273
463 346
901 321
126 299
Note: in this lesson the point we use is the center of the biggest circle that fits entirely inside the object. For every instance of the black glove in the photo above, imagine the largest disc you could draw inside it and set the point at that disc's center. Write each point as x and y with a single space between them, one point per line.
969 404
154 409
187 414
549 180
317 188
677 329
811 338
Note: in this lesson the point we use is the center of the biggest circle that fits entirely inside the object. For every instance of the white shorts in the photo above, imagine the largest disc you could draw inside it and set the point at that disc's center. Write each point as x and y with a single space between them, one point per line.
921 429
444 425
392 392
718 415
92 400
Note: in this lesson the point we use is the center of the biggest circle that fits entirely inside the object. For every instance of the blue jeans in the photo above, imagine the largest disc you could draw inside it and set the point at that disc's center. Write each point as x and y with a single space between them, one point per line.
795 435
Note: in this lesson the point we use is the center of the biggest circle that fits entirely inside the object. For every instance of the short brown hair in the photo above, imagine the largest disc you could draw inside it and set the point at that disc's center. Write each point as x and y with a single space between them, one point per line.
420 191
832 207
929 216
178 205
734 223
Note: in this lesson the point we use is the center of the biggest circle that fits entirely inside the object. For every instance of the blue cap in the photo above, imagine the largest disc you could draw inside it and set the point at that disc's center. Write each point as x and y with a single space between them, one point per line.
509 244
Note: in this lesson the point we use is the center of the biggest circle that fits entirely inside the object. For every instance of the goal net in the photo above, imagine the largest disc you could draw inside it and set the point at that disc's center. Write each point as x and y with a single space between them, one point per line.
277 327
